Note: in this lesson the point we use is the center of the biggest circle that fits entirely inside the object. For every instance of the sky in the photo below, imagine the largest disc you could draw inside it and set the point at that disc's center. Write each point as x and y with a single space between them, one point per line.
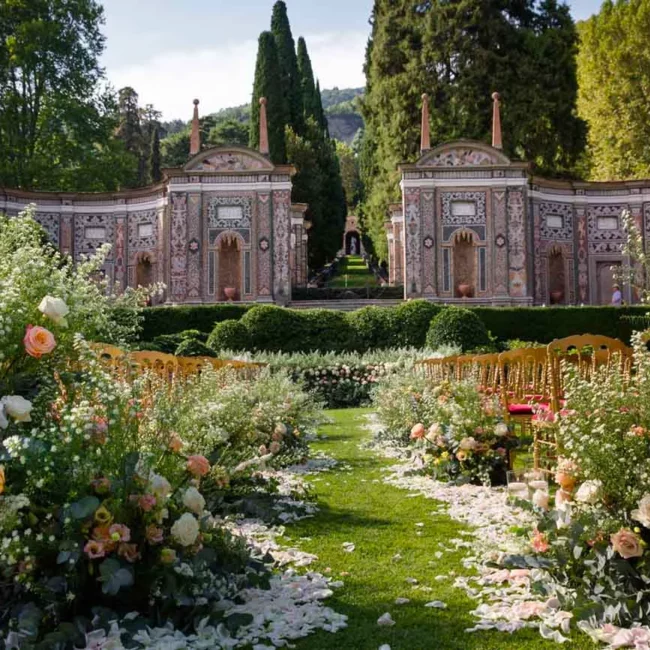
172 51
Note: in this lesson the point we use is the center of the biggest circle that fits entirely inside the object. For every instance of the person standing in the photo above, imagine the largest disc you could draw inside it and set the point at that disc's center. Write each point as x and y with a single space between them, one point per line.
617 296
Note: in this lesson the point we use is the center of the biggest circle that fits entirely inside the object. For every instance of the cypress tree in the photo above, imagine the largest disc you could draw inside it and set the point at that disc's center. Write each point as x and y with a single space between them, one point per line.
268 83
322 118
288 61
307 84
154 156
129 131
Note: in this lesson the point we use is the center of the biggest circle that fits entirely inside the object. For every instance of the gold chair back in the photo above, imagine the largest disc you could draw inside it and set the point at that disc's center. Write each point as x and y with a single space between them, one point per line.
165 366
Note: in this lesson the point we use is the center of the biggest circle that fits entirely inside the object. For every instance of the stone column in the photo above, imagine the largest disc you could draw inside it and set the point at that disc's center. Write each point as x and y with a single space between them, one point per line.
500 257
281 246
412 244
194 248
121 252
262 248
517 244
178 247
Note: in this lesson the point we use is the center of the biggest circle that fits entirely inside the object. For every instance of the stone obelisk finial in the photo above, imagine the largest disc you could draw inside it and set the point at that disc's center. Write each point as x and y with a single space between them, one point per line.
496 122
195 137
264 130
425 139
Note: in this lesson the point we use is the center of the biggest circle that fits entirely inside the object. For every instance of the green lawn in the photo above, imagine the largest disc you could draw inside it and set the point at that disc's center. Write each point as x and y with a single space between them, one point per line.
380 520
354 271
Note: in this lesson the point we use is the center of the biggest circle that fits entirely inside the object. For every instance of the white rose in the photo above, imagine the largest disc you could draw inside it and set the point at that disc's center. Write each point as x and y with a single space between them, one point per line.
185 529
17 407
642 513
589 492
160 486
193 500
501 429
55 309
468 443
540 499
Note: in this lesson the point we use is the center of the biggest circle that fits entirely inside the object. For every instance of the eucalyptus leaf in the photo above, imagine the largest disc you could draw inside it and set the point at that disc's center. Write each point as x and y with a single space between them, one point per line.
84 507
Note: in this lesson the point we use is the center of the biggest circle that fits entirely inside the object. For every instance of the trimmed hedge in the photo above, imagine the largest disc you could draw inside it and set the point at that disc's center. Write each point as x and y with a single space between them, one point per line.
459 327
171 320
346 293
229 335
277 329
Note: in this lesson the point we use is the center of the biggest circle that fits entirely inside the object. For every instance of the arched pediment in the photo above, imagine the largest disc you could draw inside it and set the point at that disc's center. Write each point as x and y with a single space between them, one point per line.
463 153
229 159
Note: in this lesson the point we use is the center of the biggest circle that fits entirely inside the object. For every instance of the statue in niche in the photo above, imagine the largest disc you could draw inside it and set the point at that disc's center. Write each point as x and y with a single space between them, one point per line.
353 246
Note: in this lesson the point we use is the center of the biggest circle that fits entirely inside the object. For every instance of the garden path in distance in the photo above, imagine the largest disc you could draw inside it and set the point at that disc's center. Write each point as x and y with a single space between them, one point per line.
353 272
380 520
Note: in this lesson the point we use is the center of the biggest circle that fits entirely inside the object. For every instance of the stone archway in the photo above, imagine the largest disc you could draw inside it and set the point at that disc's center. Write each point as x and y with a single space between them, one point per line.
352 243
464 260
556 277
229 247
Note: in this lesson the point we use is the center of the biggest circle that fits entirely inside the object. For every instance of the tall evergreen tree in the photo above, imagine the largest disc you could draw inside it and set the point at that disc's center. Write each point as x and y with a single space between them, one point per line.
614 76
130 133
459 53
307 83
268 83
322 118
155 171
288 61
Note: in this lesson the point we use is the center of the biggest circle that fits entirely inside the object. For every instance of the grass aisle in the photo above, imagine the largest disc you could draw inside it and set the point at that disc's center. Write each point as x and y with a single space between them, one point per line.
353 272
380 520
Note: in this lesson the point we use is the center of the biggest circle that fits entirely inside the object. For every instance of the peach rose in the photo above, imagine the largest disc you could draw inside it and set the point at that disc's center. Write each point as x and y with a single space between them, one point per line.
417 432
38 341
198 465
129 552
175 443
154 534
627 544
539 542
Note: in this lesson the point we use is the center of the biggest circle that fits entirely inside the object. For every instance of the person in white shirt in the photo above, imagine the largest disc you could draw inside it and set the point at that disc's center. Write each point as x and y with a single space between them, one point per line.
617 296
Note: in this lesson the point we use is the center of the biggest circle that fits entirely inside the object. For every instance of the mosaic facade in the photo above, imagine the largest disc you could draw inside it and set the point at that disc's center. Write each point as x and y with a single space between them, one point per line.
220 228
476 227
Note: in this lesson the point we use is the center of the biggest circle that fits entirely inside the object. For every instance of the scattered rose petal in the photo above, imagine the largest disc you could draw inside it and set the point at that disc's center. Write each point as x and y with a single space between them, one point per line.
385 620
437 604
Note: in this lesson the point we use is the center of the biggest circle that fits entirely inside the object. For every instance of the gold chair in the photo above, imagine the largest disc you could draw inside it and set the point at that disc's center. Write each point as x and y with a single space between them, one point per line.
110 355
165 366
487 373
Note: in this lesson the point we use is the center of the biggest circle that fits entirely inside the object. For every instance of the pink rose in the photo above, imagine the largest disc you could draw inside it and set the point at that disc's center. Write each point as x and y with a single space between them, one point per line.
94 549
198 465
275 447
627 544
539 542
38 341
417 432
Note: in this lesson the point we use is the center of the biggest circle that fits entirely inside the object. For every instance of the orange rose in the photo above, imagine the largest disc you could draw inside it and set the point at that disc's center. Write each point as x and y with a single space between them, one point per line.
38 341
417 431
198 465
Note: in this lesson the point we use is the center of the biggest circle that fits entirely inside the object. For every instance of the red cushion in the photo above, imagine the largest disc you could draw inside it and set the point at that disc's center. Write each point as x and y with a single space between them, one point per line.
520 409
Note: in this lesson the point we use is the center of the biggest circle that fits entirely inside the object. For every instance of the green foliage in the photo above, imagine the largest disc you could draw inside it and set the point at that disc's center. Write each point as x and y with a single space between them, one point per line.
614 74
265 322
175 148
307 83
229 132
459 53
155 158
458 326
374 327
171 320
334 97
229 335
349 174
191 347
290 77
268 83
413 319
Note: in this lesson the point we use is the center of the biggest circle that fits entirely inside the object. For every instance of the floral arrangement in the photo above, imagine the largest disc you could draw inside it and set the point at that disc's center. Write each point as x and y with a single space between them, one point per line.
457 433
594 539
111 485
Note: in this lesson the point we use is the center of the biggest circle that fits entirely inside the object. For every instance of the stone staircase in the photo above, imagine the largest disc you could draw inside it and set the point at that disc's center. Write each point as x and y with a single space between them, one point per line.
343 305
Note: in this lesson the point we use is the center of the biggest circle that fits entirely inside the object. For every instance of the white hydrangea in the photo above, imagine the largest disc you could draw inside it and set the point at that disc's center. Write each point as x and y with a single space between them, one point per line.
160 486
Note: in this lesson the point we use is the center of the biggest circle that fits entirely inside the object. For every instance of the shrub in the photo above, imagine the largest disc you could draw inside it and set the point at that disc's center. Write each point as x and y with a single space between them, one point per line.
372 327
170 319
458 326
326 330
411 322
194 348
274 329
229 335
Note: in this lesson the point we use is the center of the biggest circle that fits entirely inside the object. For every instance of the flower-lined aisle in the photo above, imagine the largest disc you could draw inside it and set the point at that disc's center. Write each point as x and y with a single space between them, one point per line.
126 499
569 555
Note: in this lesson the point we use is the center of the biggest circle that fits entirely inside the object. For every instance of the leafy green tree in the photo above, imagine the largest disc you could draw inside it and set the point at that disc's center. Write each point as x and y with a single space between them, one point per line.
130 132
288 66
54 122
175 149
268 83
614 77
350 177
231 132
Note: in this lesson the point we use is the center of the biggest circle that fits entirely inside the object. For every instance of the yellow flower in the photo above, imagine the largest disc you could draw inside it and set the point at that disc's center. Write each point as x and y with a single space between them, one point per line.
444 455
103 516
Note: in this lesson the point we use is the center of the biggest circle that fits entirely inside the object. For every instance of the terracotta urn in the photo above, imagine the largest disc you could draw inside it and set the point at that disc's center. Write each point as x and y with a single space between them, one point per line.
464 290
556 297
230 293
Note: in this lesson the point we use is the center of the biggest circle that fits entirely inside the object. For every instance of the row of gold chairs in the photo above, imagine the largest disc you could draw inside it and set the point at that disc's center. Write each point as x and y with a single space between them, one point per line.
529 382
169 366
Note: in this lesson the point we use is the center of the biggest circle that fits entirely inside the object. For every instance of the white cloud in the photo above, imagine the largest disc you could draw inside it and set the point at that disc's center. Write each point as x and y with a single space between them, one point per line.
223 76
